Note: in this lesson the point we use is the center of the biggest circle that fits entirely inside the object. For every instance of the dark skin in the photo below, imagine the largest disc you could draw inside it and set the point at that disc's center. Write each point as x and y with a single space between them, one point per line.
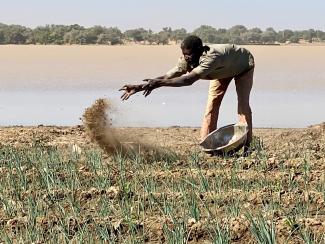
192 57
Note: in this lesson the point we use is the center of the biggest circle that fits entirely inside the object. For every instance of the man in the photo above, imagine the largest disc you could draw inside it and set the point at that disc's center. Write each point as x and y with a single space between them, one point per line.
217 63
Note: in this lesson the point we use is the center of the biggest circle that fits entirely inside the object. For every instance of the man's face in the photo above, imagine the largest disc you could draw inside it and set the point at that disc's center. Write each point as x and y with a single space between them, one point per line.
192 57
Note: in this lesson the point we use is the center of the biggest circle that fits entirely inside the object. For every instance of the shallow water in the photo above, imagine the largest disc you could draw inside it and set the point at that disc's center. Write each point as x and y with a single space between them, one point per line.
54 84
168 108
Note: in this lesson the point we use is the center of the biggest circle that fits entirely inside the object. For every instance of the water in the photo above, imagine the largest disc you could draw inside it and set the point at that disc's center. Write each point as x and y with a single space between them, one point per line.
53 85
164 108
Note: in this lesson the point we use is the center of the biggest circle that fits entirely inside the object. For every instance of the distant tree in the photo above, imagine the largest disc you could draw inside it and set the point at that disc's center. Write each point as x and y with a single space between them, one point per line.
41 35
320 35
237 30
298 34
167 30
81 38
287 34
75 27
114 35
207 33
72 37
294 39
269 36
89 36
270 29
97 30
178 35
250 37
15 34
308 35
151 37
136 35
56 34
2 37
222 31
163 37
236 40
29 36
103 39
222 36
224 39
284 35
235 34
256 30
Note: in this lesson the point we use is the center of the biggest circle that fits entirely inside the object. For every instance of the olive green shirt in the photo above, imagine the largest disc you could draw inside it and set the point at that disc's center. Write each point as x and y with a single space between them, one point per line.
221 61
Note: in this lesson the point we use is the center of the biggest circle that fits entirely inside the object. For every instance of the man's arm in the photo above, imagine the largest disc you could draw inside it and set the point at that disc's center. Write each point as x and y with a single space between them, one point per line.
129 90
169 76
185 80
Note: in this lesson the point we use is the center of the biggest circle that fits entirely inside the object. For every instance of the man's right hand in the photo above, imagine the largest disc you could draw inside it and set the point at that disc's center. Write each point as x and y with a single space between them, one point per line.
129 90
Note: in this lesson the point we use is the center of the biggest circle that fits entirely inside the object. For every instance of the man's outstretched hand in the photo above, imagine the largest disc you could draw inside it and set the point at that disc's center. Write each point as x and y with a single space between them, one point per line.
147 87
151 84
129 90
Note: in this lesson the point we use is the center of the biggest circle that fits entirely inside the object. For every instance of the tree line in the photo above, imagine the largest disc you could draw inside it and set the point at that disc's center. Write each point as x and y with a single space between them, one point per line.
76 34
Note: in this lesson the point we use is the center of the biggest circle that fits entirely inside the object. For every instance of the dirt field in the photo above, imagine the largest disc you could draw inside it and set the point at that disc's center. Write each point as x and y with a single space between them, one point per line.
56 184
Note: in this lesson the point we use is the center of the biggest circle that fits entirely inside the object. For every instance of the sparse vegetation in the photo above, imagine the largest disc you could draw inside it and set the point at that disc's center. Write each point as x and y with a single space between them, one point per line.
64 192
101 35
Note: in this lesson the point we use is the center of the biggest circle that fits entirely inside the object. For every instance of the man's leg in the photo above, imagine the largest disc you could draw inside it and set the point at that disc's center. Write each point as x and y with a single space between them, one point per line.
244 85
217 91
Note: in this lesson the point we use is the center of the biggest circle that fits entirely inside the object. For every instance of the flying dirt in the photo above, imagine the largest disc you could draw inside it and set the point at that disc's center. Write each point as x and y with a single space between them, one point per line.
99 128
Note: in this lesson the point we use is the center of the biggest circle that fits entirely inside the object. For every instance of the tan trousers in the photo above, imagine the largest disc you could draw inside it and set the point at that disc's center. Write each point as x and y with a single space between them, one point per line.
217 89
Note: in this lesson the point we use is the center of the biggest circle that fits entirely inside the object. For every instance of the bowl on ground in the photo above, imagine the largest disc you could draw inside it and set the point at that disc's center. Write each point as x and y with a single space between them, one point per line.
224 140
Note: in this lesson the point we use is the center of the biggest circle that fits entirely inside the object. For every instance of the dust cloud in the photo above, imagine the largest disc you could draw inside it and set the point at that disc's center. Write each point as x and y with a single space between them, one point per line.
98 126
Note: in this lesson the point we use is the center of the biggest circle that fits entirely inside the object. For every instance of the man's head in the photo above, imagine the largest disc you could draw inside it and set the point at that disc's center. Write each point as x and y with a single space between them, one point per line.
192 49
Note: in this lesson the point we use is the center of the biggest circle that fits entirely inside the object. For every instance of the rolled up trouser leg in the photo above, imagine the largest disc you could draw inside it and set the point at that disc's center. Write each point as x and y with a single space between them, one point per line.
244 83
217 91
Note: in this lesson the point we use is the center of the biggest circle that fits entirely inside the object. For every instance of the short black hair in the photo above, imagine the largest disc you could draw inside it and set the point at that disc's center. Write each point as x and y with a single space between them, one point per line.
192 43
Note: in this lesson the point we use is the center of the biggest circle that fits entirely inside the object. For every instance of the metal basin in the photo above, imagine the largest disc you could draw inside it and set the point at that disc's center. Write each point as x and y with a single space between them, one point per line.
225 139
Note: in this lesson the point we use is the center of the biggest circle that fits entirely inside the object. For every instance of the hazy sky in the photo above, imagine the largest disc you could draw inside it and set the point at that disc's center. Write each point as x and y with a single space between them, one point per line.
151 14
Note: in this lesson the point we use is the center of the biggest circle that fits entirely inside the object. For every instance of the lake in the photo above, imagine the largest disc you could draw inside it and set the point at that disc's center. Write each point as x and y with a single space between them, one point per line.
52 85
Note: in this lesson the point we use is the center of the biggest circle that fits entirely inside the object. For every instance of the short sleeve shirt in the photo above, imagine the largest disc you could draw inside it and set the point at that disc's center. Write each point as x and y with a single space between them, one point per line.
221 61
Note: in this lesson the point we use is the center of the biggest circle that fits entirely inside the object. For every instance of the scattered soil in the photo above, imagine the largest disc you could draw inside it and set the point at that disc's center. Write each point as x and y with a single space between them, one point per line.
98 127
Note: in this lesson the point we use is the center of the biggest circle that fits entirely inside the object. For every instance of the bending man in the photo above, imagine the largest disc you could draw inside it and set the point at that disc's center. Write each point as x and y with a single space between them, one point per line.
220 64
